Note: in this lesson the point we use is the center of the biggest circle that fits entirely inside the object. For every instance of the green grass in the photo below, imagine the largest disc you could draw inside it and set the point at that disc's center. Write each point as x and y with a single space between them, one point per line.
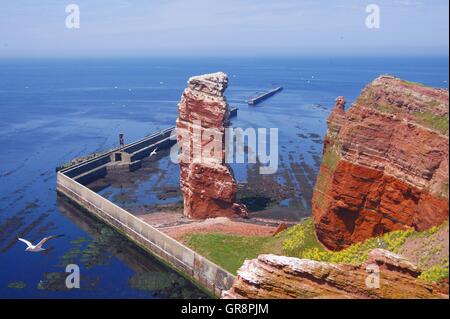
427 118
439 123
229 251
410 83
386 108
300 241
436 273
301 238
331 158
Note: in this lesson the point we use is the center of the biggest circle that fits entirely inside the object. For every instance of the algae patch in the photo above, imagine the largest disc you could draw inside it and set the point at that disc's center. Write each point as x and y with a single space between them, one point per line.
17 285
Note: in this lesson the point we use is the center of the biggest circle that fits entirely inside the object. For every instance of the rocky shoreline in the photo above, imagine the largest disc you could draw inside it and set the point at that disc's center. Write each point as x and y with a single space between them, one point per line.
279 277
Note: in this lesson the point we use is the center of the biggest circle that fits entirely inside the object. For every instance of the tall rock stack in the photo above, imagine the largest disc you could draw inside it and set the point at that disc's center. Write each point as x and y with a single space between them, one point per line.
385 164
207 183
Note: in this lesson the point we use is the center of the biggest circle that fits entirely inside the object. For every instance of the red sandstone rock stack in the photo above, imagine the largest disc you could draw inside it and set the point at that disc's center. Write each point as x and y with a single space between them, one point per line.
279 277
207 183
385 164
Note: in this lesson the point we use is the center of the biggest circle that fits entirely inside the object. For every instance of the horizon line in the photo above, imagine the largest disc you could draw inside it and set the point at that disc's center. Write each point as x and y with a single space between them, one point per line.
244 56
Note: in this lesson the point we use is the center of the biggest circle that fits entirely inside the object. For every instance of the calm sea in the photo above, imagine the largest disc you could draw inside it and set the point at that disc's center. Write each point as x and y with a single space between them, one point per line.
54 110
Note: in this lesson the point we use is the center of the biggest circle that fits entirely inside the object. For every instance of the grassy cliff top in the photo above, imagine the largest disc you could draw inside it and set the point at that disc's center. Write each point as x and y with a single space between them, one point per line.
415 102
300 241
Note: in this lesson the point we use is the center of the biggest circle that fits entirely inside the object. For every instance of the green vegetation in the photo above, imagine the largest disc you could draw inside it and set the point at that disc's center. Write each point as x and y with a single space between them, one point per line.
331 158
368 99
445 190
230 251
17 285
427 118
385 108
438 271
435 273
439 123
300 241
365 98
79 240
432 104
301 238
410 83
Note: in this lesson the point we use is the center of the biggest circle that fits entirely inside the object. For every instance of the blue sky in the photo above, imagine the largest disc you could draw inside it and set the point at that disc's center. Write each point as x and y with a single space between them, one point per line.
140 28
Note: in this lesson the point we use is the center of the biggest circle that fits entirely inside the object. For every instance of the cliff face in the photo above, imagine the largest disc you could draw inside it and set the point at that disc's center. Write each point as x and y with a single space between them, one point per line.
279 277
207 183
385 164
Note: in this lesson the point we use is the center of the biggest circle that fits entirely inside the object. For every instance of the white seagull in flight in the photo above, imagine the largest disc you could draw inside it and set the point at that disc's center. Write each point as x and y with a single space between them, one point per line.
153 152
37 248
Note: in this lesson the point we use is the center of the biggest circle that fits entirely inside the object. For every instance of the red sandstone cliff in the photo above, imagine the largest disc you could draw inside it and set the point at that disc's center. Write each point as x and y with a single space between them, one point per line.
385 164
207 183
384 275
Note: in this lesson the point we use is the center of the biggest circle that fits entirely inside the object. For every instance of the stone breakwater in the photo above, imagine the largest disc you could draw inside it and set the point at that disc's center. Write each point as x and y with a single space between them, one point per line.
279 277
385 164
207 183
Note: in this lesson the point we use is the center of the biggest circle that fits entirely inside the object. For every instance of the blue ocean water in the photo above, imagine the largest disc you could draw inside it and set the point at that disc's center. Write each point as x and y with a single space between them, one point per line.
54 110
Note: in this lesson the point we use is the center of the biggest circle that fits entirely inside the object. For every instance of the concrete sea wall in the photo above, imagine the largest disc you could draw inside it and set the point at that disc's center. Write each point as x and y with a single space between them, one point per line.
130 156
70 183
210 276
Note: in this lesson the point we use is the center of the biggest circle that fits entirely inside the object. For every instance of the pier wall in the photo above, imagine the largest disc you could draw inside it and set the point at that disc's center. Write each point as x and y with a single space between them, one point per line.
91 169
70 182
263 96
181 258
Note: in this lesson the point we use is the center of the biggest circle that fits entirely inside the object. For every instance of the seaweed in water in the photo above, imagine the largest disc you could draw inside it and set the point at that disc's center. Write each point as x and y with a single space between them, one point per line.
17 285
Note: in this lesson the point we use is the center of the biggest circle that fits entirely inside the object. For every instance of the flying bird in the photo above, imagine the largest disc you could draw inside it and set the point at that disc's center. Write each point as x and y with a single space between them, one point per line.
153 152
37 248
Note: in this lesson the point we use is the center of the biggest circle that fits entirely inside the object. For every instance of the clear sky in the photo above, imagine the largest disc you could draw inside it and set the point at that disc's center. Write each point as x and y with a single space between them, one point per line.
141 28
